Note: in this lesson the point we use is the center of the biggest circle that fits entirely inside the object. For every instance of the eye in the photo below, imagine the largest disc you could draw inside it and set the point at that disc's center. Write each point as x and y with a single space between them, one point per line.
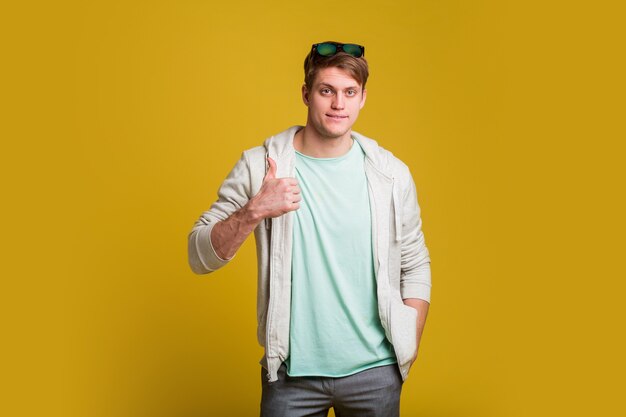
326 91
351 93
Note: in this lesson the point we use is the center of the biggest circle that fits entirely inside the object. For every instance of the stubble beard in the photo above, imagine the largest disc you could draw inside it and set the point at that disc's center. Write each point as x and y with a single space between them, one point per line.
327 134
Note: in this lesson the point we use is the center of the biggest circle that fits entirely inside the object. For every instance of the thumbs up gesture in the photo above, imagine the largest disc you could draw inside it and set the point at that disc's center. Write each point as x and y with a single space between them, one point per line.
277 196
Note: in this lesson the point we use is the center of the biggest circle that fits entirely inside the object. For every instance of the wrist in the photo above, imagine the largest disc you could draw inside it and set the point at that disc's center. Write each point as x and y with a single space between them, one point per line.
252 214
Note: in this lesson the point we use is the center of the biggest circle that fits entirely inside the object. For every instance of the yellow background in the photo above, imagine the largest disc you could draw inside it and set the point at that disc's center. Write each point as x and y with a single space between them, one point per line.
121 118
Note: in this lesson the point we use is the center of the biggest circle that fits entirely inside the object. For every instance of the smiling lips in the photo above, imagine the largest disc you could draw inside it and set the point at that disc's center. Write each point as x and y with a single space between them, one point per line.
336 116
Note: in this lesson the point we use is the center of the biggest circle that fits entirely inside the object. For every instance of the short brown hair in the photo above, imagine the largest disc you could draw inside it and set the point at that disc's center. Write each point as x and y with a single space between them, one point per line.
356 67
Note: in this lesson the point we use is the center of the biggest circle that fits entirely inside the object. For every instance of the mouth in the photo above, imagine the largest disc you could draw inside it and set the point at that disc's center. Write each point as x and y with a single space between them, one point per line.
336 116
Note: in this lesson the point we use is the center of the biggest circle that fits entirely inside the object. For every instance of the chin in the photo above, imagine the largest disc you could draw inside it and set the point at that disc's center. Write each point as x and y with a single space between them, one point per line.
335 133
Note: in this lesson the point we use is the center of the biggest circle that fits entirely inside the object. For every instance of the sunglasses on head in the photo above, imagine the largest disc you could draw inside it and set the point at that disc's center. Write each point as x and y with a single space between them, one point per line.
331 48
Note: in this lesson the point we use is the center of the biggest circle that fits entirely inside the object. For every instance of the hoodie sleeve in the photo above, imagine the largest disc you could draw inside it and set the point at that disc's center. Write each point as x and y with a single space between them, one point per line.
415 279
233 194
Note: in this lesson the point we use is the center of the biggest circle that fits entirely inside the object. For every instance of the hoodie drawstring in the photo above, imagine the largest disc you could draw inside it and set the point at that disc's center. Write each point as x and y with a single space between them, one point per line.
397 209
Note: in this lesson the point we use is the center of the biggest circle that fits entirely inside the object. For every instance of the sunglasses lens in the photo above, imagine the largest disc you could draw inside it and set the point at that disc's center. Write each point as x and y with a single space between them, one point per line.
326 49
352 49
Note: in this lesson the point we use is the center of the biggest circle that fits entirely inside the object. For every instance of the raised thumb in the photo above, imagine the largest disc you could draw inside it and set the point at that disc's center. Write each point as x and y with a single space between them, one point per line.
271 172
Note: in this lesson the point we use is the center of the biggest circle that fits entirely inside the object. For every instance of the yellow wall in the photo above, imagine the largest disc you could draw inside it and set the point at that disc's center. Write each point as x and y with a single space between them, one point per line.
121 118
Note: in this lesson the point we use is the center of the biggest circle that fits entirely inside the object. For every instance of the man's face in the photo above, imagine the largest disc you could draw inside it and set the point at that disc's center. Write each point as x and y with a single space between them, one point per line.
334 102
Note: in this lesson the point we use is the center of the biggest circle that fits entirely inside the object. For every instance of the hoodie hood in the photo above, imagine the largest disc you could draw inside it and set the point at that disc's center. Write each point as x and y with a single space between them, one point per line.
279 147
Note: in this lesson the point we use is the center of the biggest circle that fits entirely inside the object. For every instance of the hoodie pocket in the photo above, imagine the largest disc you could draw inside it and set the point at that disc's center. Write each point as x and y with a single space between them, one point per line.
403 323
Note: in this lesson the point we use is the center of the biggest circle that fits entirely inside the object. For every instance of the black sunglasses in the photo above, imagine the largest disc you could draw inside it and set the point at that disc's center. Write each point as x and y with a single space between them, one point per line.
331 48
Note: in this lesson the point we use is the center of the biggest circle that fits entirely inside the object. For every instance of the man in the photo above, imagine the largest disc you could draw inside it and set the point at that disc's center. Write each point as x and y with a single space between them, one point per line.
344 273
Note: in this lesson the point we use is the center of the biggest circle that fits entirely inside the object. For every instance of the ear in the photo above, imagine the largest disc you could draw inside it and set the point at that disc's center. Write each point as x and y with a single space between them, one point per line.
363 99
305 95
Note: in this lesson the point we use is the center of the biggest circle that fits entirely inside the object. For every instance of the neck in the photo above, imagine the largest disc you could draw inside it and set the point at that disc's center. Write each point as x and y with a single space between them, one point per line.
308 142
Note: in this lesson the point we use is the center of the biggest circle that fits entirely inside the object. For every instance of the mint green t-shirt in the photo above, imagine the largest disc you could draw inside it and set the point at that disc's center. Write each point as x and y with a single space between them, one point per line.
335 327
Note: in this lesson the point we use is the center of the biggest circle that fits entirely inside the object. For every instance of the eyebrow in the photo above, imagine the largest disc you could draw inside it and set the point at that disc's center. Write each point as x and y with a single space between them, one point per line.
352 87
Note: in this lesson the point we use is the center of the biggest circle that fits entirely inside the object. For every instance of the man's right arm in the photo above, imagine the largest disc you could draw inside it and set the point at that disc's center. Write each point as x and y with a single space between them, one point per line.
228 235
276 197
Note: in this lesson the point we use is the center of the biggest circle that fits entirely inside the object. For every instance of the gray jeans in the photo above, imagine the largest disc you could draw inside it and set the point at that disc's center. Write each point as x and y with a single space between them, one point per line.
374 392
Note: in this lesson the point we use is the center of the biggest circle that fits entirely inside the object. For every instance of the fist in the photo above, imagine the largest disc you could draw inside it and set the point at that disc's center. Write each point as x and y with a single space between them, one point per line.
277 196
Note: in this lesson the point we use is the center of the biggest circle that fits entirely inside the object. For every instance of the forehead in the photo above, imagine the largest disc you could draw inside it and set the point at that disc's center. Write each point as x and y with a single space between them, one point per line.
335 77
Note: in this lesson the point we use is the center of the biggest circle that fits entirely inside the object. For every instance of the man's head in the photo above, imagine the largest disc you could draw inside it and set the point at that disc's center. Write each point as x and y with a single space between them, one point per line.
334 87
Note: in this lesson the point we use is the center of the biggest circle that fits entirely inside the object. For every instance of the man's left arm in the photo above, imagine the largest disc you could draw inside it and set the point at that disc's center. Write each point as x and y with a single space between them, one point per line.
415 279
422 312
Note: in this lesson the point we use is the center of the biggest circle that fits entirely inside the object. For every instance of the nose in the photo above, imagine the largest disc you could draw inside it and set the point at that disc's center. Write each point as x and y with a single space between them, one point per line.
338 103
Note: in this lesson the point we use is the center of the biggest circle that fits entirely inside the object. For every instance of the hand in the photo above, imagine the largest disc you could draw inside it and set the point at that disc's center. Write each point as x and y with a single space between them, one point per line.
277 196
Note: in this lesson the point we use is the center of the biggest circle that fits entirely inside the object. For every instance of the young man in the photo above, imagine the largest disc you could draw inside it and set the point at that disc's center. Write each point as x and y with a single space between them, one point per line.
344 273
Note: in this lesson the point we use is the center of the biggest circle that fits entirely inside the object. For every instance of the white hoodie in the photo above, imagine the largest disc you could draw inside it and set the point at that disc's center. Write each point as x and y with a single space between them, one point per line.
402 259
